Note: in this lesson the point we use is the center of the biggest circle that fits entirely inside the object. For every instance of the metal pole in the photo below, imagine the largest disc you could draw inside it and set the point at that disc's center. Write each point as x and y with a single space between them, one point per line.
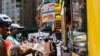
63 23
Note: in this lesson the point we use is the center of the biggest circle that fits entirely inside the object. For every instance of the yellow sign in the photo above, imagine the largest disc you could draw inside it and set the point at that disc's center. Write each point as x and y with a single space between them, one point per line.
58 8
58 17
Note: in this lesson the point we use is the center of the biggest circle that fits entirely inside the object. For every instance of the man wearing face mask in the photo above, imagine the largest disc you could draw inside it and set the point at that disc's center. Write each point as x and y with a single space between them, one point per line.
12 41
15 33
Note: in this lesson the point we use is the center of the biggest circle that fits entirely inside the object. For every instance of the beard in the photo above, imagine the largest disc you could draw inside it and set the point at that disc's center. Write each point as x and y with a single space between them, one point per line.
4 35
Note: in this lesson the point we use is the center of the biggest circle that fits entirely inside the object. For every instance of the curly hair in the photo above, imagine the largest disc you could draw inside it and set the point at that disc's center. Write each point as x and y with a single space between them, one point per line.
16 51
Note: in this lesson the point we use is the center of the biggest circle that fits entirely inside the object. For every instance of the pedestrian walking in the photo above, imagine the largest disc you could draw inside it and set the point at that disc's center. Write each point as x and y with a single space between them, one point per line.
5 22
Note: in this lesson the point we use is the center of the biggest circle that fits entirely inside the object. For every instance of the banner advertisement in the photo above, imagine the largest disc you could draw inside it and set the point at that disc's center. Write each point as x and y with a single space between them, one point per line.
50 1
46 8
48 17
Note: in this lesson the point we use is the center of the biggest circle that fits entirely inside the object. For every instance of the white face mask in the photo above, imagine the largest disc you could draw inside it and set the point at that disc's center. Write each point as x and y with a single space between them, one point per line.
18 35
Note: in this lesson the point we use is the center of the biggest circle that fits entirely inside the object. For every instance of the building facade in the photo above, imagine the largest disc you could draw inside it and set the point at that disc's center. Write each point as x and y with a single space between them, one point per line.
12 8
0 6
28 19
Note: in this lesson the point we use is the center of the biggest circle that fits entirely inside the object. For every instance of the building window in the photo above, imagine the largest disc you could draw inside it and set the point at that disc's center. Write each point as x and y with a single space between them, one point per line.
24 1
2 2
18 16
18 6
7 8
13 7
18 11
19 1
13 17
2 9
13 12
7 3
12 1
8 13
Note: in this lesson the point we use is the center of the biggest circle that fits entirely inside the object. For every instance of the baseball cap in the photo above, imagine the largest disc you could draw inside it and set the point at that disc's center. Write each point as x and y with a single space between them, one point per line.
5 20
16 26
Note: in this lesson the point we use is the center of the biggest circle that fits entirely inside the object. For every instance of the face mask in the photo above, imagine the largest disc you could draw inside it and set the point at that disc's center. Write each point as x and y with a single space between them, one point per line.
18 35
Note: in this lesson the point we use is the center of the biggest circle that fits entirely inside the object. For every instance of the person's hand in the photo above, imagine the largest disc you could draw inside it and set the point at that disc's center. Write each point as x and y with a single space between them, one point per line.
15 50
25 48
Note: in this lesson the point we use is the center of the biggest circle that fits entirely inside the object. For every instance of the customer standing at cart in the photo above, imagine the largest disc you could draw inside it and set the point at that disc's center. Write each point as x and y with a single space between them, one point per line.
13 44
15 30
